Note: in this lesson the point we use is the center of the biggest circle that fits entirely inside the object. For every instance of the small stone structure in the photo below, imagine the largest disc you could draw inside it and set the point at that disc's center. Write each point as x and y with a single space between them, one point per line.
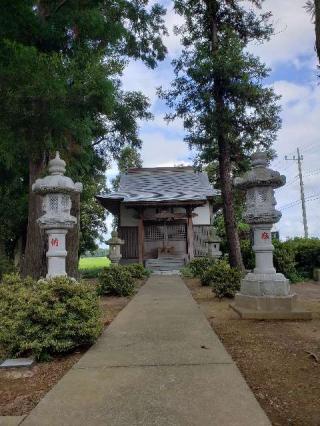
264 294
56 190
213 243
114 246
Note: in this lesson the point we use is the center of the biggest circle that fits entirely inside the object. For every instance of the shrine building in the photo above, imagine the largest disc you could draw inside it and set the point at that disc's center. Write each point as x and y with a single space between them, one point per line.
164 215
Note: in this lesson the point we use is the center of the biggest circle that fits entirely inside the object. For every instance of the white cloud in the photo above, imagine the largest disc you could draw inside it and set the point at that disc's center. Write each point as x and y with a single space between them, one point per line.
172 42
294 34
159 150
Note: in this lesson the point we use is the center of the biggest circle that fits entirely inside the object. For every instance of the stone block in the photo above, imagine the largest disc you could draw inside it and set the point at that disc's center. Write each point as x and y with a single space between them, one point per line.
17 363
269 307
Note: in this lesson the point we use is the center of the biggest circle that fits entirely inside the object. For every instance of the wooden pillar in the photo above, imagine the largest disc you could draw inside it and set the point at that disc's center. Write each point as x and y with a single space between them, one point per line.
190 234
141 237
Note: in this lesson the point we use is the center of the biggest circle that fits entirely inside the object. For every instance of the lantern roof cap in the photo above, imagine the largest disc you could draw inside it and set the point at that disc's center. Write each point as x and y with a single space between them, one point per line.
115 240
260 174
56 182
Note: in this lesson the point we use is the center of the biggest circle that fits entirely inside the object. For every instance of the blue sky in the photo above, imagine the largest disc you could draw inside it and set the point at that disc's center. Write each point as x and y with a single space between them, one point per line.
291 56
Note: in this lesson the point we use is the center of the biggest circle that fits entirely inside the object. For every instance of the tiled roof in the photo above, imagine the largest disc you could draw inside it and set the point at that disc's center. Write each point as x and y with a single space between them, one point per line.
162 184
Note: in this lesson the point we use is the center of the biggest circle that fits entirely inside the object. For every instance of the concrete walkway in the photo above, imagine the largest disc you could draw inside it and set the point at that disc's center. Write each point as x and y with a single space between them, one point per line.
159 363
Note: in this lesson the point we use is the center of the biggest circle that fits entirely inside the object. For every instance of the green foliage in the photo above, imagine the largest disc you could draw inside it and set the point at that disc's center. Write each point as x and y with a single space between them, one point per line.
116 280
247 254
306 254
218 89
128 158
186 273
284 261
224 280
6 266
47 317
61 64
198 266
295 258
137 271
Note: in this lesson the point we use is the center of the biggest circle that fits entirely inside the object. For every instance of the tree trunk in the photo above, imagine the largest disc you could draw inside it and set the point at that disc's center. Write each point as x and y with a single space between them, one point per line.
72 242
235 257
35 263
317 26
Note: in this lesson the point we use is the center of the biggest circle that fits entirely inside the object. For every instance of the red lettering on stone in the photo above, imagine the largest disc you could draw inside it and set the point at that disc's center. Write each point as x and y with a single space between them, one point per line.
55 242
265 236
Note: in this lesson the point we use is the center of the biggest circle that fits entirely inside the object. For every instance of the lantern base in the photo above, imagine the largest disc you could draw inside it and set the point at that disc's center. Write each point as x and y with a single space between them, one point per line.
265 284
269 307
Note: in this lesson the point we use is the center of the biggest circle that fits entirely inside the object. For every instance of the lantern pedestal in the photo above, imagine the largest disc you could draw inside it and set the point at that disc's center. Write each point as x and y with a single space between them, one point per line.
56 253
264 293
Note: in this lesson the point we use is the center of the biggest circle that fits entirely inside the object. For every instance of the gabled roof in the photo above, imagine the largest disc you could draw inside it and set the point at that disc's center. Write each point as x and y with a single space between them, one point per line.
161 184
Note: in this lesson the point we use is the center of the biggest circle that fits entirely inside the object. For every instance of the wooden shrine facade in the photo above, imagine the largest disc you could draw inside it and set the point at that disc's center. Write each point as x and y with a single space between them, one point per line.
162 212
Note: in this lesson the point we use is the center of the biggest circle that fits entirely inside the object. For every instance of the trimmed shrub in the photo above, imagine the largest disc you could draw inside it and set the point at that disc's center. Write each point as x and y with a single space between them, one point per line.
137 271
284 261
199 265
116 280
47 317
307 254
224 280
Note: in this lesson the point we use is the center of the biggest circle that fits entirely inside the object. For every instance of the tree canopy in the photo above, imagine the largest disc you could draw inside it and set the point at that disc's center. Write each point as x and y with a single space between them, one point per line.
61 63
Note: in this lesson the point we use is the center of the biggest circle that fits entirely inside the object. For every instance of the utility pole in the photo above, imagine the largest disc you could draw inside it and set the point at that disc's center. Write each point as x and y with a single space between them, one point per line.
303 201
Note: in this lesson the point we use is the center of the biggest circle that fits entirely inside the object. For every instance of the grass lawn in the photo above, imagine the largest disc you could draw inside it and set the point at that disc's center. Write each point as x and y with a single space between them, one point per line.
93 262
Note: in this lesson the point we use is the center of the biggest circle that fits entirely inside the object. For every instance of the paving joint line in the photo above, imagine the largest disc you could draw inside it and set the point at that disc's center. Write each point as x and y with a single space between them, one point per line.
152 365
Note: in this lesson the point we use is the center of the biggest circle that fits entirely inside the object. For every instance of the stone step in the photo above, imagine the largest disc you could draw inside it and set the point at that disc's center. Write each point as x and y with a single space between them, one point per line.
165 264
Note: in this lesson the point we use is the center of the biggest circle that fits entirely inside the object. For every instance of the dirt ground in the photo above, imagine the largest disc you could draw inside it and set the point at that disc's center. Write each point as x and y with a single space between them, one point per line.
280 360
18 396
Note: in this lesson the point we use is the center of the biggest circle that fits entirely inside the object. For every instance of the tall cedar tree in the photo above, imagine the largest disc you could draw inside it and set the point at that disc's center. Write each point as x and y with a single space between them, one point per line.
218 92
313 7
60 64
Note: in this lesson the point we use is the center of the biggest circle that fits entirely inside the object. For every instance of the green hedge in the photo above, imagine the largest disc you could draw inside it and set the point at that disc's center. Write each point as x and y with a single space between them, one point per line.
295 258
224 280
196 267
137 271
47 317
307 254
116 280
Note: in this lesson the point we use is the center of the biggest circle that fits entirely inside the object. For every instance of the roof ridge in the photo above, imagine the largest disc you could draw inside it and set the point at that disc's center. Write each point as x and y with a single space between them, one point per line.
160 169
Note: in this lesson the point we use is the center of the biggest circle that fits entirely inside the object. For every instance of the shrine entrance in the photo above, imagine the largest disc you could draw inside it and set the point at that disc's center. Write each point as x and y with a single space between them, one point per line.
163 239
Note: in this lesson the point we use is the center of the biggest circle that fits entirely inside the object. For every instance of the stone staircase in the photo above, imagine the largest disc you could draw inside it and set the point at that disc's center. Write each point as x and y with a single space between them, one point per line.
165 264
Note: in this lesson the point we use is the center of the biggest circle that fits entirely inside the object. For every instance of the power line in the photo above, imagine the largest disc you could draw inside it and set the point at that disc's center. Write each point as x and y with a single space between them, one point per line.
309 198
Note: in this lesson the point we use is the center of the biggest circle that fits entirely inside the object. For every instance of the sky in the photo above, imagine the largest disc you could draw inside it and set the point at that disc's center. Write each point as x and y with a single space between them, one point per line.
291 56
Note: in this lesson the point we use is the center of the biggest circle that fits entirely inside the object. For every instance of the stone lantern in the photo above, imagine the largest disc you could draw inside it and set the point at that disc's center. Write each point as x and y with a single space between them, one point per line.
114 247
264 294
213 244
56 190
